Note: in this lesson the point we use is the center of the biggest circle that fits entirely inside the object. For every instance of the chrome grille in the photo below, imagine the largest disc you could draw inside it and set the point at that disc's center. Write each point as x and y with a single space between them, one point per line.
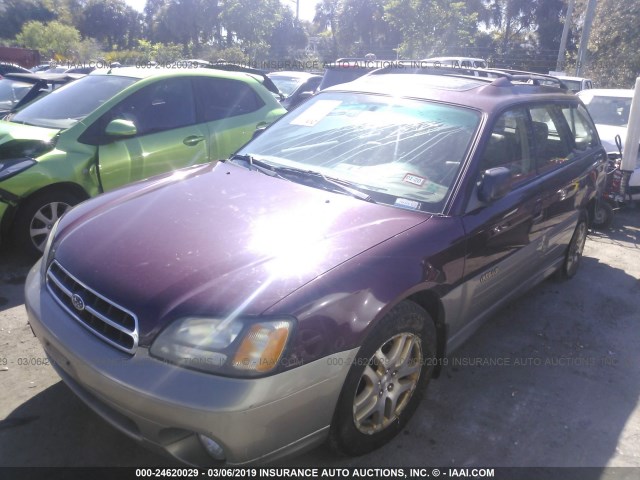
109 321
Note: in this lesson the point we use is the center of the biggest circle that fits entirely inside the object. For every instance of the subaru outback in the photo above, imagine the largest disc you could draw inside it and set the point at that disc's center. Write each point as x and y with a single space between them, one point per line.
307 289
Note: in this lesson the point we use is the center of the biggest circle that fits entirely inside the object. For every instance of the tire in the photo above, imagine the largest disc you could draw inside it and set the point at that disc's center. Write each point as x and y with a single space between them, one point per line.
573 256
602 215
377 401
36 217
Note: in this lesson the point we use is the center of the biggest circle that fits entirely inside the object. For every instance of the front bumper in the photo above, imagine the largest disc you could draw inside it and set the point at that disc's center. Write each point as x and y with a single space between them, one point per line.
165 406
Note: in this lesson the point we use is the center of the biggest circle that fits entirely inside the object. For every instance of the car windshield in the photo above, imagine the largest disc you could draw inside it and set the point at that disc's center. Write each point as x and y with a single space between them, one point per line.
400 152
11 92
68 105
342 74
612 111
573 85
286 84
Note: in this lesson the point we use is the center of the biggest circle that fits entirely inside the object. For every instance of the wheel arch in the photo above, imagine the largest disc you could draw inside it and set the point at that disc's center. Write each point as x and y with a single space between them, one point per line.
67 187
430 301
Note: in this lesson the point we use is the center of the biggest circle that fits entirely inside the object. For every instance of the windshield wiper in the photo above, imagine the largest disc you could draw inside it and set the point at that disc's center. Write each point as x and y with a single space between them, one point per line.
254 164
332 184
278 171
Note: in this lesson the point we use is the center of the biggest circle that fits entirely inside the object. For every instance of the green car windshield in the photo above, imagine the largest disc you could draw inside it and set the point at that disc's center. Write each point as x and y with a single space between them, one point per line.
401 152
66 106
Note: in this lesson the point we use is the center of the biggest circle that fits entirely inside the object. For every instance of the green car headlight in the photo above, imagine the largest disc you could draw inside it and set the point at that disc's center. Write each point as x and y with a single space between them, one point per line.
13 166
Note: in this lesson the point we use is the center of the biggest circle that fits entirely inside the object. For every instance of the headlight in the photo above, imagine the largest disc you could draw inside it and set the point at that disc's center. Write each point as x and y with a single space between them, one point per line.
9 168
228 346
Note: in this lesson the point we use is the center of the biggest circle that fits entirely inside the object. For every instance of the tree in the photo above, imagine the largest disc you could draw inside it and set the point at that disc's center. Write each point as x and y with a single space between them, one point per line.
187 22
112 22
614 45
326 18
432 27
287 36
15 13
53 39
363 23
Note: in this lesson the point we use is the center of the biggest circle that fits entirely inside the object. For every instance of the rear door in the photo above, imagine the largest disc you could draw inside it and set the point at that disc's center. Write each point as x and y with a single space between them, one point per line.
168 136
568 159
231 112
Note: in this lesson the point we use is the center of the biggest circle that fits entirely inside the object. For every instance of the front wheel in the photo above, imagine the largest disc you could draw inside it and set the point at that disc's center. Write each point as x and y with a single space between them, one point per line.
386 381
36 217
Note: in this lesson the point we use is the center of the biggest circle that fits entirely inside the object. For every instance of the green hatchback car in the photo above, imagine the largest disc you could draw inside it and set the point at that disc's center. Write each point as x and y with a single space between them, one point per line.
115 127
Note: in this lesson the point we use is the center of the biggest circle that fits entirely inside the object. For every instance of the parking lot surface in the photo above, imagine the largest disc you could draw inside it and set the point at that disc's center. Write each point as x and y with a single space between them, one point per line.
553 379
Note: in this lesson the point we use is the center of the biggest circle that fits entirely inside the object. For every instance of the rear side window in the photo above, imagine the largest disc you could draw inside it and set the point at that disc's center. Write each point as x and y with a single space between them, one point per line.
583 130
220 98
552 144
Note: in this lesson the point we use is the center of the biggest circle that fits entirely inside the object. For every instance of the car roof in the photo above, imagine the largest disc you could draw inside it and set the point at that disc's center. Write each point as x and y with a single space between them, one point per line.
293 73
139 72
219 71
486 94
567 77
440 59
607 92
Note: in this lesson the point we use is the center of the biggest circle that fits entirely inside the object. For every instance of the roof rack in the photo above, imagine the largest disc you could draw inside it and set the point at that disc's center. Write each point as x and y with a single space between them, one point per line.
543 78
497 77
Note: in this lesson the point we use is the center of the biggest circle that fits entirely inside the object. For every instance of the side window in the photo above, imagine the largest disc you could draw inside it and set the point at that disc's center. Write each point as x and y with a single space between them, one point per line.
510 146
158 107
583 130
220 98
550 137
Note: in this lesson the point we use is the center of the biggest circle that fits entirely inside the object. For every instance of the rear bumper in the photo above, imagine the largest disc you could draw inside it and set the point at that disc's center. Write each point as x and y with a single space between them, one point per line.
165 406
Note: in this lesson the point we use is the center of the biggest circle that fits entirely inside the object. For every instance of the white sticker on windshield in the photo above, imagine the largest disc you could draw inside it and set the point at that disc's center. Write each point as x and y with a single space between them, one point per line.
315 113
414 179
404 203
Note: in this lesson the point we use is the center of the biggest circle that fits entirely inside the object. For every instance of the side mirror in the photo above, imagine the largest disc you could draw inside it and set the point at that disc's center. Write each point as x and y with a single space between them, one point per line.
495 184
121 128
258 131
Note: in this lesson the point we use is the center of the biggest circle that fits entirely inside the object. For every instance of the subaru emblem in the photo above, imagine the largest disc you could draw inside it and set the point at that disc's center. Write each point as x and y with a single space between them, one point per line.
77 302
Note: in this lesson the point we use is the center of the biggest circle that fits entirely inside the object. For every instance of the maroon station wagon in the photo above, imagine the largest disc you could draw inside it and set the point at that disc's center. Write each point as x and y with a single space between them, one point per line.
307 288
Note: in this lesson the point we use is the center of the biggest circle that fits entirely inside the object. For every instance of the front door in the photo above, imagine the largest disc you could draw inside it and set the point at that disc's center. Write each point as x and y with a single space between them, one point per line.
168 136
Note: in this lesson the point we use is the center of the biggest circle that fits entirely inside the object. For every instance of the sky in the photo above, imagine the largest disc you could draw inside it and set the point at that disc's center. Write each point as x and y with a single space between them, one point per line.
307 7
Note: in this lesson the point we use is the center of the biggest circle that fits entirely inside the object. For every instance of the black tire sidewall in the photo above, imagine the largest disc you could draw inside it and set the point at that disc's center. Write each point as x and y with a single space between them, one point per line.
607 214
406 317
26 212
571 272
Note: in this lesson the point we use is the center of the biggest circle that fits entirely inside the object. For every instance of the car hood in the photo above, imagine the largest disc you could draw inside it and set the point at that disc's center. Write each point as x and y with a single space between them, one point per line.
607 134
17 140
16 131
216 240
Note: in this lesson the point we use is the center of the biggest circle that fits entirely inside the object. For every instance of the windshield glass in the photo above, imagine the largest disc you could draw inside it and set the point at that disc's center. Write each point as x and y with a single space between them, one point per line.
612 111
286 85
11 92
68 105
401 152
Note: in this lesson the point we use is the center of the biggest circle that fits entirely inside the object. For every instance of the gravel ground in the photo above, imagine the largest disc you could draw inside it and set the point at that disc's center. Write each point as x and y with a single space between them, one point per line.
551 380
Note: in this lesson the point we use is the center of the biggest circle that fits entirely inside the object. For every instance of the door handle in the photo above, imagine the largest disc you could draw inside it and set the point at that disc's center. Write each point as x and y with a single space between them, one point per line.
538 212
192 140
